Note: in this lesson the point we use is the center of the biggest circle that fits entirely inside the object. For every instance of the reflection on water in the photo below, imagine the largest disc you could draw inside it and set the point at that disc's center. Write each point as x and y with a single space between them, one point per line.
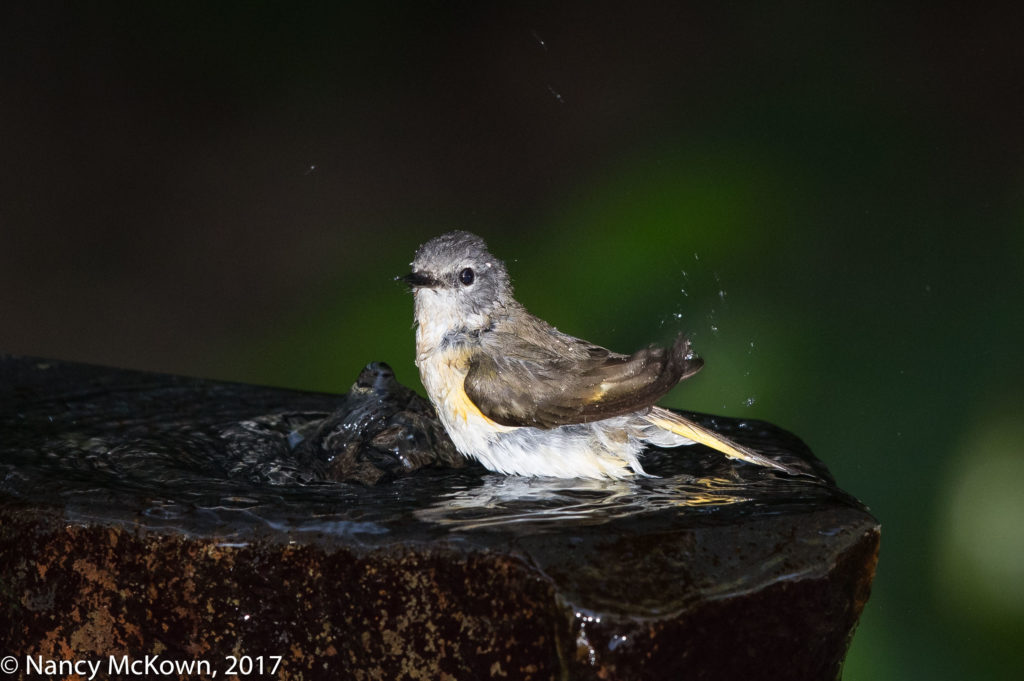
536 504
431 502
502 501
165 453
434 501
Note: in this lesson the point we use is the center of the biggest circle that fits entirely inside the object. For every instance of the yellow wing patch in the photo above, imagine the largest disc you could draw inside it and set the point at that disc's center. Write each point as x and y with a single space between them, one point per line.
449 377
464 408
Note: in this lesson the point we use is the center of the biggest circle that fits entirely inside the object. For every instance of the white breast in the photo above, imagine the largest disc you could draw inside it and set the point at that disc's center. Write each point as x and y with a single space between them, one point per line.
595 450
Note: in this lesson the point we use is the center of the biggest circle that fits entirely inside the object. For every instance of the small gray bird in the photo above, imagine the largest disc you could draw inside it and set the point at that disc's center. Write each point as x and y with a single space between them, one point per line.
522 397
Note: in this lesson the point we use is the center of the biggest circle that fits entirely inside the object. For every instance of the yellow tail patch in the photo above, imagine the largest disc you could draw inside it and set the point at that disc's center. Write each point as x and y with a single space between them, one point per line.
684 427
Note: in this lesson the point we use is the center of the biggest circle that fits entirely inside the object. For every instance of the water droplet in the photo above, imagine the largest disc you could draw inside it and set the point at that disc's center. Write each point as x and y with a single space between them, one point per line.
714 329
749 402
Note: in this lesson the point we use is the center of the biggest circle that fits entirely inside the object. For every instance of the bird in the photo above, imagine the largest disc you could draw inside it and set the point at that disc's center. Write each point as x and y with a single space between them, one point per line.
523 398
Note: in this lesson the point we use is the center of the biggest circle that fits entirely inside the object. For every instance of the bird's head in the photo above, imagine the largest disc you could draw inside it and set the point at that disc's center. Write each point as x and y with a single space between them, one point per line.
458 283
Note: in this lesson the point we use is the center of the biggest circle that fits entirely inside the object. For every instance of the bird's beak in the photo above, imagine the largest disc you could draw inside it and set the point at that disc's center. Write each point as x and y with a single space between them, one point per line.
419 280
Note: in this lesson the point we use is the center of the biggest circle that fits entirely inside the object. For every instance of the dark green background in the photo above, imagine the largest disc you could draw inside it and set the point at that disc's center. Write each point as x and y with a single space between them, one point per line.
830 200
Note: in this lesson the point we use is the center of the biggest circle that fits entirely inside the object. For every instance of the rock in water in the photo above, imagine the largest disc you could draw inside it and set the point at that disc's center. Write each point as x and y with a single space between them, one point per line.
342 537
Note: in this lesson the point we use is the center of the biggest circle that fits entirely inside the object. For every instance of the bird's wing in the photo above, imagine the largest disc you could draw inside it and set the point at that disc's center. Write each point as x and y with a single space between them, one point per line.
564 380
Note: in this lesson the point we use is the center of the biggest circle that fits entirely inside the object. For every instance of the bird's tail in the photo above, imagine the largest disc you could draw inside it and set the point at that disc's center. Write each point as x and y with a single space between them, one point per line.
683 427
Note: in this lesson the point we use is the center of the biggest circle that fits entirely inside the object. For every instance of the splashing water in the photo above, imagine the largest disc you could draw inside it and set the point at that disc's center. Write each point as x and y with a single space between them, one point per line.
557 95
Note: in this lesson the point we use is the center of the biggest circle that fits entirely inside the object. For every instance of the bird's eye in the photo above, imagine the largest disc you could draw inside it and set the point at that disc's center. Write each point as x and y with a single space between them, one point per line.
466 276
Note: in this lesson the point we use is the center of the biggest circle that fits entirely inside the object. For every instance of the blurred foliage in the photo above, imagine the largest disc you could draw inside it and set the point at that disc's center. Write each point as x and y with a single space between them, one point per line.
828 198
